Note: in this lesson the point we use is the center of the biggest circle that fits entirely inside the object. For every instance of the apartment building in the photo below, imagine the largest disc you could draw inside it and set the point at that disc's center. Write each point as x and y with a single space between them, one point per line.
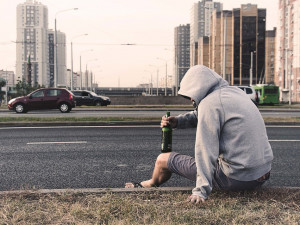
270 60
237 44
203 51
61 58
9 77
288 42
36 41
182 52
200 25
32 28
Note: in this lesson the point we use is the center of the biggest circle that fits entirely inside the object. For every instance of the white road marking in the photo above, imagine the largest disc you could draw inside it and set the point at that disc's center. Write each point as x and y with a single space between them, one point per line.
284 140
57 142
54 127
283 126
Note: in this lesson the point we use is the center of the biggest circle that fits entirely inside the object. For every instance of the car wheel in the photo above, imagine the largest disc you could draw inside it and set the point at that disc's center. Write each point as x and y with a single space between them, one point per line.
64 108
97 103
19 108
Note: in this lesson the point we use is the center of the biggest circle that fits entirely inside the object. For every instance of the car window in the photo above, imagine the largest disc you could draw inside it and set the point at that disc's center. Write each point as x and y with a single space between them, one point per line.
249 91
85 94
38 94
77 93
53 92
93 93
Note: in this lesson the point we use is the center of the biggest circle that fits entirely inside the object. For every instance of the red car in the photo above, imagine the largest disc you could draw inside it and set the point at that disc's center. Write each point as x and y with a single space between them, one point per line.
45 98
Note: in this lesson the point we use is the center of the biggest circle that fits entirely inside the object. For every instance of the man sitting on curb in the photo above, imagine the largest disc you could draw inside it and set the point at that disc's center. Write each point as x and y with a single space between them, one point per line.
232 151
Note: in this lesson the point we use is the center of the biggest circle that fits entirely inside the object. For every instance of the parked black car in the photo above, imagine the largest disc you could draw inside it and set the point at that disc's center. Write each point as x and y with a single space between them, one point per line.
90 98
44 98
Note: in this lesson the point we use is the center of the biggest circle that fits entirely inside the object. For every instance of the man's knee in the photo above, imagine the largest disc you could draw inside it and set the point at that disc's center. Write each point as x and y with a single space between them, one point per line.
162 160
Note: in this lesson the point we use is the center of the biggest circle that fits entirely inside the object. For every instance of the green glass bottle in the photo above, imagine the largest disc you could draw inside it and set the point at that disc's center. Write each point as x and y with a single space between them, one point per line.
166 138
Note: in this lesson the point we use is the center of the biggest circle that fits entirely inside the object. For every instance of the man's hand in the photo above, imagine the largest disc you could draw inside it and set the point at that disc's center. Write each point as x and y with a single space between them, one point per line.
166 121
195 199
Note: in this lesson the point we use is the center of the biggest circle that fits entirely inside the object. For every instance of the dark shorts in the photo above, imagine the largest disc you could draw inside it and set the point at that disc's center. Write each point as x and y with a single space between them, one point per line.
185 166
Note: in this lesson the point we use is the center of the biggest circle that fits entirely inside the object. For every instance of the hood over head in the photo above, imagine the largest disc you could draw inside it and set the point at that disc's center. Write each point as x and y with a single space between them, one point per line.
199 81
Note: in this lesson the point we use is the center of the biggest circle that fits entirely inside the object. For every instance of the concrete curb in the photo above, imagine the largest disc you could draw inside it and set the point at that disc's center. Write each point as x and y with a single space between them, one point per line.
96 190
114 190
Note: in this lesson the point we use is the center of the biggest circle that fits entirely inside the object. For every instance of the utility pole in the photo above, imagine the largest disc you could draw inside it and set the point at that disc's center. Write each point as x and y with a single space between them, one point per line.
225 42
251 70
157 82
6 99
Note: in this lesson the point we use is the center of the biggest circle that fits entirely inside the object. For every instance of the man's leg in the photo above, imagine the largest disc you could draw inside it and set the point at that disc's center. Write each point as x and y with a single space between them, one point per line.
160 174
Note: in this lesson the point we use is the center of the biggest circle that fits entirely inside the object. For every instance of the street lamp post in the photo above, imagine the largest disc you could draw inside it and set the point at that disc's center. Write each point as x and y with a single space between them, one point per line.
157 82
157 72
251 68
6 92
166 82
225 43
55 34
288 74
150 85
72 58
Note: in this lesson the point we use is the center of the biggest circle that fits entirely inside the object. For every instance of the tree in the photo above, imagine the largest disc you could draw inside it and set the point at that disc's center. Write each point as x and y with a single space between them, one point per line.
2 83
23 88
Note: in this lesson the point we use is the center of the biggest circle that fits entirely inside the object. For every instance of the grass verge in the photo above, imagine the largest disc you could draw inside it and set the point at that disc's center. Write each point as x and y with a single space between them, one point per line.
267 206
282 119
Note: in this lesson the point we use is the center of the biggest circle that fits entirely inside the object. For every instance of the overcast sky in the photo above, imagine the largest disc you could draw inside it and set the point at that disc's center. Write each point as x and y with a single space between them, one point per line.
149 24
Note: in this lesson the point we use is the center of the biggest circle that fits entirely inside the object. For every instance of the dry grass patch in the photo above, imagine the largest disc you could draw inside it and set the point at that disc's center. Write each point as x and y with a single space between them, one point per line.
281 119
269 206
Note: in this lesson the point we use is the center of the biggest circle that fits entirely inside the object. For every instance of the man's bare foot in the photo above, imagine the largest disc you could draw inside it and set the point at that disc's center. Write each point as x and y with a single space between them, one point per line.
133 185
143 184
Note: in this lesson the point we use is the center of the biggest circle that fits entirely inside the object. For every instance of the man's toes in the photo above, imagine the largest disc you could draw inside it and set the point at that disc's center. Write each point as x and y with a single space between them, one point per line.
129 185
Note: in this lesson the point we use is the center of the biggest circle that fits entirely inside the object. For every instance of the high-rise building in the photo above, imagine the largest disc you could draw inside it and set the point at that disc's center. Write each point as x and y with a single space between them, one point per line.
61 58
203 51
182 52
288 60
32 28
76 80
200 24
249 44
8 76
51 50
270 58
237 44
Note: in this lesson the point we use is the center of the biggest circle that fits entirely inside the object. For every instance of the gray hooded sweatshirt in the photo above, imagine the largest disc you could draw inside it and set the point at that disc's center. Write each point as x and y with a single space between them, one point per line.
230 130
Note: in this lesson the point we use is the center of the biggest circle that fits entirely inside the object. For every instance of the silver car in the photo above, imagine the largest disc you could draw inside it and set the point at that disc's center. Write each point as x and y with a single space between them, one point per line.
254 96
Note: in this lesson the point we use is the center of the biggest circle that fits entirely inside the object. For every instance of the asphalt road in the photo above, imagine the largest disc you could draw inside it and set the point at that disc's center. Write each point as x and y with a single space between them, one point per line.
132 112
107 157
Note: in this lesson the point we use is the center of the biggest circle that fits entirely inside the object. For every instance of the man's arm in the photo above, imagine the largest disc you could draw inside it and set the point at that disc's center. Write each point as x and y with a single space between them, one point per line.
182 121
187 120
210 120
